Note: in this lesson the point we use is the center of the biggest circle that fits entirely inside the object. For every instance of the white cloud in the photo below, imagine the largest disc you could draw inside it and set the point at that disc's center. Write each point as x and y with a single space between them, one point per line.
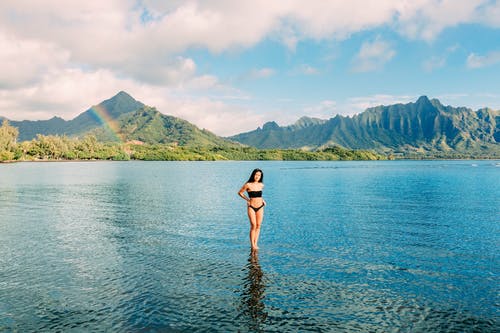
114 33
70 92
372 56
262 73
337 19
478 61
433 63
490 14
58 56
65 93
305 69
426 19
218 117
24 61
436 62
359 104
453 48
324 110
175 71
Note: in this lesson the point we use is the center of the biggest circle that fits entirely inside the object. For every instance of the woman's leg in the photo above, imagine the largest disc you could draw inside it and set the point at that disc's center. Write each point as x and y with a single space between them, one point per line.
253 227
259 216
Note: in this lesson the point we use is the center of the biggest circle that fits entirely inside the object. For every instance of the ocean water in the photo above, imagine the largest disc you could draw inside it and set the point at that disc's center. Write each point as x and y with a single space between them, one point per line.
392 246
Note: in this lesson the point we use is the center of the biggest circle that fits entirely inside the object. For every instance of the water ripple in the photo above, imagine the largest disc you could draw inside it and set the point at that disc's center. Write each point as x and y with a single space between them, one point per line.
346 247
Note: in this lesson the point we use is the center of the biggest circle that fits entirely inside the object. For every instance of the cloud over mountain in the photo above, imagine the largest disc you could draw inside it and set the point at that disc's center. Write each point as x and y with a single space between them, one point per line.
56 55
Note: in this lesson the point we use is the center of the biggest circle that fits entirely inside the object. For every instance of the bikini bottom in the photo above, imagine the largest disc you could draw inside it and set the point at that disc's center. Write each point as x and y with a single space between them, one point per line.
256 209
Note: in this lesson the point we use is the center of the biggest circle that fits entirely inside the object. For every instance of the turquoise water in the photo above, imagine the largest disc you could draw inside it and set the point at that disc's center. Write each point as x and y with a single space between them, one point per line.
406 246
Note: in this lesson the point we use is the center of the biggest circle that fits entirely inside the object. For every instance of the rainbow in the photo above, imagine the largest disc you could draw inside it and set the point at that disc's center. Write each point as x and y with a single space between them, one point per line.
111 125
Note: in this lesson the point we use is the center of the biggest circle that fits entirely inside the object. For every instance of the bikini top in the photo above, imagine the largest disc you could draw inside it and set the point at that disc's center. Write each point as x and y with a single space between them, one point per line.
255 194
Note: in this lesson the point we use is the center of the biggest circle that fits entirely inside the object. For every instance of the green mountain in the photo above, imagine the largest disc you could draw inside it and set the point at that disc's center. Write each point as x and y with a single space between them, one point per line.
122 118
96 116
150 126
93 118
425 126
28 129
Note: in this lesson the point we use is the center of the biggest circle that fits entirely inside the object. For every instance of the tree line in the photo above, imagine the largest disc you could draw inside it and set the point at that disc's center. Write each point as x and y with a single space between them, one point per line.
55 147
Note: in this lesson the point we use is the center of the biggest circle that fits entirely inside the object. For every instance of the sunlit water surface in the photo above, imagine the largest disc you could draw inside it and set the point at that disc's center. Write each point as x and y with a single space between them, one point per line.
406 246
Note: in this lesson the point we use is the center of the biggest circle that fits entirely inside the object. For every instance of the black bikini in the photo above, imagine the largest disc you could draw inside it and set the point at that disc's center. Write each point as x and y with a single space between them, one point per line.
255 194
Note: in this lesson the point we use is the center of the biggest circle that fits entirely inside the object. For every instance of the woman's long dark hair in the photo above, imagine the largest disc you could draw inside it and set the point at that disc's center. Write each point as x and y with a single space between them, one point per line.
252 176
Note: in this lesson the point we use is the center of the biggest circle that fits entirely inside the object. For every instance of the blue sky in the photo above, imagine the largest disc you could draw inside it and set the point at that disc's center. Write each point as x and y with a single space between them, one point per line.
230 66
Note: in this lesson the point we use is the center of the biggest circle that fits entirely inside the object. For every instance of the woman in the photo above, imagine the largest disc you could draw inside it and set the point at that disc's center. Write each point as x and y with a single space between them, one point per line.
255 204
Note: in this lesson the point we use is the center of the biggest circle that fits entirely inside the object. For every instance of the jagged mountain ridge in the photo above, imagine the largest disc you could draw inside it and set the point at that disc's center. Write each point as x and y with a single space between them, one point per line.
425 124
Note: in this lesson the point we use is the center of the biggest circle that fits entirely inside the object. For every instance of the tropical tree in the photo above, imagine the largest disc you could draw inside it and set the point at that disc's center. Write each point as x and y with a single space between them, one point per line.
8 138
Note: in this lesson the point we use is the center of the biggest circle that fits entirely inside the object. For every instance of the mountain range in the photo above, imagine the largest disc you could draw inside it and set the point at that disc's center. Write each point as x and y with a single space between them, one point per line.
114 107
122 118
425 126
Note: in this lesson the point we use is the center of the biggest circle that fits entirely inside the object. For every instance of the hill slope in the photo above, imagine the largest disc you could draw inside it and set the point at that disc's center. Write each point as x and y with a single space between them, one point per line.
148 125
425 125
122 118
94 117
110 109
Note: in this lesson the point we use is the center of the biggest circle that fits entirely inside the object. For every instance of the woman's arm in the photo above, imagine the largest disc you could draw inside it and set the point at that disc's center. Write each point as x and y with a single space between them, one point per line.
242 191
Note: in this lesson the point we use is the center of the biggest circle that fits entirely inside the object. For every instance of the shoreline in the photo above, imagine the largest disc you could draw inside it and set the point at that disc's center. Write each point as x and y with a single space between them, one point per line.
249 160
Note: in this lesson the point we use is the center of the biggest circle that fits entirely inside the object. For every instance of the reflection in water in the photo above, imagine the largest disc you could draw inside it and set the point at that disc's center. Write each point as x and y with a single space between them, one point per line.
253 293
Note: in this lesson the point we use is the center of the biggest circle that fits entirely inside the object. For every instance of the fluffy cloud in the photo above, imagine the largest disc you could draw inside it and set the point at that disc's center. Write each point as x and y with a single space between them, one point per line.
372 56
261 73
359 104
478 61
69 92
324 110
305 69
58 56
175 71
115 33
490 14
433 63
425 19
336 19
25 61
65 92
219 117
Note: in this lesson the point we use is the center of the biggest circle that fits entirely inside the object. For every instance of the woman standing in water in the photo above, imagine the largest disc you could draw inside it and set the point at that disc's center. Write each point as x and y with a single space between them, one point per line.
255 204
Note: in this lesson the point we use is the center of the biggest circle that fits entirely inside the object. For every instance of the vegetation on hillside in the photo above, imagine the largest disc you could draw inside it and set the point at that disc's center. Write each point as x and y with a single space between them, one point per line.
424 129
59 148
